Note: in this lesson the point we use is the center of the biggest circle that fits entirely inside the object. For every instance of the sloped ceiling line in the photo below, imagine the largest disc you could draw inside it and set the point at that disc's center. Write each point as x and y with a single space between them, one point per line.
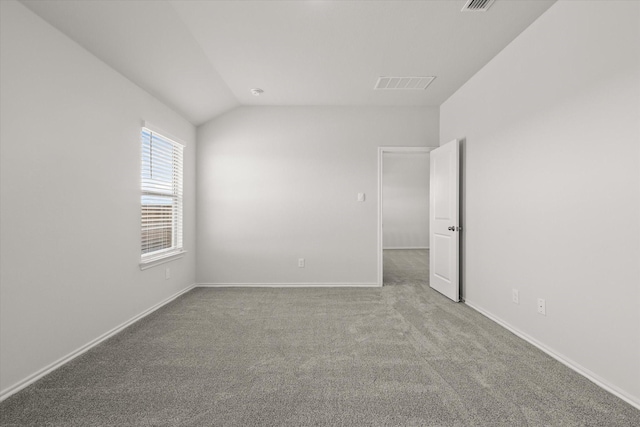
202 57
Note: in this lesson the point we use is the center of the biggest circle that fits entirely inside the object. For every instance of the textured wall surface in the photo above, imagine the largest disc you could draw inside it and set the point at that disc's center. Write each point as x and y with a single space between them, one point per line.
70 188
405 197
552 185
280 183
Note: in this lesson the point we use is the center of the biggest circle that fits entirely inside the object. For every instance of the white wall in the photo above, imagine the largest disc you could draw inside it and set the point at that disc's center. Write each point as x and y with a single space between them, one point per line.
280 183
70 202
552 186
405 196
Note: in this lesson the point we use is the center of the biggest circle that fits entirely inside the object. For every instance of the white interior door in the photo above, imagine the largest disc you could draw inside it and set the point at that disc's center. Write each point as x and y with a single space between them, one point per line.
444 233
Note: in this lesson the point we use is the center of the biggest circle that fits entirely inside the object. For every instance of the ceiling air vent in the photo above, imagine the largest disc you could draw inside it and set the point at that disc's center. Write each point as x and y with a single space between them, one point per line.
403 83
477 5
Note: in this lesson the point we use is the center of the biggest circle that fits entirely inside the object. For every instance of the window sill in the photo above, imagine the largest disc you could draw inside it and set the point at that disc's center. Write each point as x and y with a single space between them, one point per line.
152 262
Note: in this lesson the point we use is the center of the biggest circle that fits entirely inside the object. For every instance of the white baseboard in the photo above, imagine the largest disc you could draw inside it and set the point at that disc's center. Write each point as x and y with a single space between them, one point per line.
405 248
65 359
596 379
288 285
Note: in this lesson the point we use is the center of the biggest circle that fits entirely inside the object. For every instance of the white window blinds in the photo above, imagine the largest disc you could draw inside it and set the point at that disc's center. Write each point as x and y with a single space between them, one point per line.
161 196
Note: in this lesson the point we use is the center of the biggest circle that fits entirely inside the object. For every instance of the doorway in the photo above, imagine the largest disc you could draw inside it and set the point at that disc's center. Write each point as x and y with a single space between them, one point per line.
403 217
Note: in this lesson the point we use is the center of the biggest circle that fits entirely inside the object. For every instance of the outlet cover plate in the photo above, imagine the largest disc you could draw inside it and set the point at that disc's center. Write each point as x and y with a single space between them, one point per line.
542 307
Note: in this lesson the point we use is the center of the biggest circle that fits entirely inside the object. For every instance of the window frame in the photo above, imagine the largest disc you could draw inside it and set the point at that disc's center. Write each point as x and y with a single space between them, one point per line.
173 189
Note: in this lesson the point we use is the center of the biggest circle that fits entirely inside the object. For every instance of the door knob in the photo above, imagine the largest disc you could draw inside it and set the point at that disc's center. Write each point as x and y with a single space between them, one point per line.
451 229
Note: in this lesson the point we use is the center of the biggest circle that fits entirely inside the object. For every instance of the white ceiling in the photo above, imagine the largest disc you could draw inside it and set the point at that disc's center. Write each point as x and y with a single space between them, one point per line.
202 57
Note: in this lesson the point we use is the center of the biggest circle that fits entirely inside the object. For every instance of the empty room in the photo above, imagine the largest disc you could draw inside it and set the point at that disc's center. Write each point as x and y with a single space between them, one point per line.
337 213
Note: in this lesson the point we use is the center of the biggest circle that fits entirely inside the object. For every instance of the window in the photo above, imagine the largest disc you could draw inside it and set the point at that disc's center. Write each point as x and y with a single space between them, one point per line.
161 199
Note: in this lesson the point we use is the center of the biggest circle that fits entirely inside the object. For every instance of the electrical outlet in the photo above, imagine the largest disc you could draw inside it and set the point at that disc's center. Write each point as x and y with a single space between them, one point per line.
301 262
167 273
542 307
515 297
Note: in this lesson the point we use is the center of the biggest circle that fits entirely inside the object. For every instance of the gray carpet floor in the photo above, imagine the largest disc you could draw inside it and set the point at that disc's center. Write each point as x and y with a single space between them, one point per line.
401 355
405 267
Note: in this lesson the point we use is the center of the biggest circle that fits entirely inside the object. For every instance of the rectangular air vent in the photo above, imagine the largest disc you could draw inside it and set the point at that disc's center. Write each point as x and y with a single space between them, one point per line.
477 5
403 83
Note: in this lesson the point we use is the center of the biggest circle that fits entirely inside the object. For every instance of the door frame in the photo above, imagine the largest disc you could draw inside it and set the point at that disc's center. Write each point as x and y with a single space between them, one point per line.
381 152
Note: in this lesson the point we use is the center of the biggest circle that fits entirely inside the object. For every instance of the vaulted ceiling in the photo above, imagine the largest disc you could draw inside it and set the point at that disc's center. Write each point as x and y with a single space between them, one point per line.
203 57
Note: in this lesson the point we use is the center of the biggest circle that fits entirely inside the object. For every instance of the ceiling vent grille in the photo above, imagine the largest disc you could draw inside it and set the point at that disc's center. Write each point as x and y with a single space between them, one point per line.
477 5
403 83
